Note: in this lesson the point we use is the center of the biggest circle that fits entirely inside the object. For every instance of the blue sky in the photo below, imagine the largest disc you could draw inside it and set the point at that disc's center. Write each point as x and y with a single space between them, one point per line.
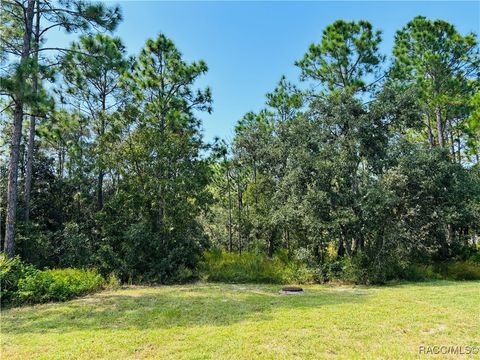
249 45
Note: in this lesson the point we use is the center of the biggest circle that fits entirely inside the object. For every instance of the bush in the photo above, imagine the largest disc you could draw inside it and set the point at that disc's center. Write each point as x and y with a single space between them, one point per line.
11 271
452 270
419 272
359 269
301 274
459 270
252 268
112 281
183 275
473 253
23 283
75 247
57 285
139 252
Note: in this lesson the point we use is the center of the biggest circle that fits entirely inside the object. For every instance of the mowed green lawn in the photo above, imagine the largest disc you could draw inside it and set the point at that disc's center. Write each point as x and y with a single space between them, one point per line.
219 321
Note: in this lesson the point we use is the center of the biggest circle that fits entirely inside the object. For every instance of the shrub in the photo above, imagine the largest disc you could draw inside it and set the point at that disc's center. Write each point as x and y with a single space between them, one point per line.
419 272
57 285
300 273
459 270
359 269
252 268
36 245
112 281
473 253
75 247
183 275
138 251
11 271
452 270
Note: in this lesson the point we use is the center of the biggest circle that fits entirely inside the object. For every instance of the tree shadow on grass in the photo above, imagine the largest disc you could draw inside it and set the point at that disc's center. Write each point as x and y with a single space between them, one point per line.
167 307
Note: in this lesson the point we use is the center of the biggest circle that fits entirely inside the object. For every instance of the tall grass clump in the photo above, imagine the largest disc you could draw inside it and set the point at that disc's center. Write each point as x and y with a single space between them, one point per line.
249 267
449 270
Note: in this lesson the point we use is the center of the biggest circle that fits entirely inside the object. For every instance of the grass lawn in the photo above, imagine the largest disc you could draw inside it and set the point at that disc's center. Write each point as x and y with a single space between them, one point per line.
219 321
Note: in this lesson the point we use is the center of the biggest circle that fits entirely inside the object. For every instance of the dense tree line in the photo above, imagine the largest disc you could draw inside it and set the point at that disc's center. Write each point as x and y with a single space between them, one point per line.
369 157
376 162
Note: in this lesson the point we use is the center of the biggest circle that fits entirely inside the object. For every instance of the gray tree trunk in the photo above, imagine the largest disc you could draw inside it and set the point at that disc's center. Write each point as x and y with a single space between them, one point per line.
101 173
16 138
438 115
431 139
31 137
230 235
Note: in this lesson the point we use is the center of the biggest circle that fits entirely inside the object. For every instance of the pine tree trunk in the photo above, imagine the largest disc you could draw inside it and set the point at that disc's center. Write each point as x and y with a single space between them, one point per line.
100 191
341 249
28 171
271 243
239 194
255 181
452 140
230 235
16 138
459 150
438 115
431 139
31 137
270 247
101 173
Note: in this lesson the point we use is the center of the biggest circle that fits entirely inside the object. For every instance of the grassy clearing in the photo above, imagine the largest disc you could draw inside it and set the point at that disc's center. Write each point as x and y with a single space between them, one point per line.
218 321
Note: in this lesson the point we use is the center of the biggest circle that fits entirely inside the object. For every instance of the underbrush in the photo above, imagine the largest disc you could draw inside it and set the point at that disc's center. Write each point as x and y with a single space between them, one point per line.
24 284
57 285
359 270
220 266
12 270
452 270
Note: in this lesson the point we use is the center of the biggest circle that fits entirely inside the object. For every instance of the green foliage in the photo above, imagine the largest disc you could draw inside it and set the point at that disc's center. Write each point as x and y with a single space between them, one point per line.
240 268
75 247
112 281
450 270
22 283
350 182
361 269
435 48
419 272
473 125
457 270
11 271
441 64
251 267
57 285
347 54
149 226
428 229
145 257
286 99
360 179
